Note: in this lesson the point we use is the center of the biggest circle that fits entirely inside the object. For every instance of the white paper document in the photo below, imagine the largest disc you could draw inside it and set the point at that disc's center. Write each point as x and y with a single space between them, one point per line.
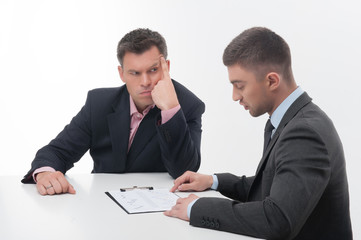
144 200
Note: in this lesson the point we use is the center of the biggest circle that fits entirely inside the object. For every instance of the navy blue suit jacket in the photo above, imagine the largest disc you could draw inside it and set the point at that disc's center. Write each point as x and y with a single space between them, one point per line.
103 126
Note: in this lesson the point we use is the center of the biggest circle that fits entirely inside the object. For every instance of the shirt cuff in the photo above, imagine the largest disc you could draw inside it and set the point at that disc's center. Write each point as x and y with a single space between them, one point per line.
213 187
42 169
168 114
215 182
189 208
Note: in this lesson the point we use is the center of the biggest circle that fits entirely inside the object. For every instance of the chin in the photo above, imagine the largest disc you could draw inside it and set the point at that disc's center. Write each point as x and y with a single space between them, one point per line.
254 114
147 103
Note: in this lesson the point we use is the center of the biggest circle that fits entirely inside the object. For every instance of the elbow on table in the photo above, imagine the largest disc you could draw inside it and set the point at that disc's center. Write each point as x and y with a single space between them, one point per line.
176 170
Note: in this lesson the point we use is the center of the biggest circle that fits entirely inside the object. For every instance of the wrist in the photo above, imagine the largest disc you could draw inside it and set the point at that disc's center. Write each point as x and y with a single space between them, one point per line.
170 105
41 170
215 182
210 181
189 208
39 175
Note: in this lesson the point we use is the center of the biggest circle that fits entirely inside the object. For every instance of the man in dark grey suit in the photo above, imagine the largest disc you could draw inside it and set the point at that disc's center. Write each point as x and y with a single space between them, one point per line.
300 188
150 124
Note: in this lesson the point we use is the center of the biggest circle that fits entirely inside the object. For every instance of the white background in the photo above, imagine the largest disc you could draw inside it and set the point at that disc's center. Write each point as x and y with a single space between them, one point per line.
53 52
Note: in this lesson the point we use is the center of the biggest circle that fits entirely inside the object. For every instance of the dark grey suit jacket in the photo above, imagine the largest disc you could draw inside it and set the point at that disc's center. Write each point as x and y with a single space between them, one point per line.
103 126
300 189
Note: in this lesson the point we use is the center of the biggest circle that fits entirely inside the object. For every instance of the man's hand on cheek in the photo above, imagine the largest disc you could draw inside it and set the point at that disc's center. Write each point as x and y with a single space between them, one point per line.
163 94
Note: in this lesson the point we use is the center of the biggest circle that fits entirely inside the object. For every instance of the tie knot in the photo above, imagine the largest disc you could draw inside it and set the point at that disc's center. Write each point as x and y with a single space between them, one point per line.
269 127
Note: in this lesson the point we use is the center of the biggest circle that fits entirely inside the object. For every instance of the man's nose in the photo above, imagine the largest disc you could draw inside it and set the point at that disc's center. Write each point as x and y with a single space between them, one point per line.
145 80
236 95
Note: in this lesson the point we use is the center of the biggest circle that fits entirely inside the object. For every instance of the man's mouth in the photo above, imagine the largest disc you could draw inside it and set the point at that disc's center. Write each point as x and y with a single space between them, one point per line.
244 105
147 92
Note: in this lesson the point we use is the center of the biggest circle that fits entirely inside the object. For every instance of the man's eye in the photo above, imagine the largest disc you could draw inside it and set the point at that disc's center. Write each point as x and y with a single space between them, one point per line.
134 73
238 86
153 69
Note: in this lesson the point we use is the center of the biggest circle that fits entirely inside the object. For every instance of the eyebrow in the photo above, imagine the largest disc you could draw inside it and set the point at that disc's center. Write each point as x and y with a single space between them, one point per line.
154 65
132 70
236 81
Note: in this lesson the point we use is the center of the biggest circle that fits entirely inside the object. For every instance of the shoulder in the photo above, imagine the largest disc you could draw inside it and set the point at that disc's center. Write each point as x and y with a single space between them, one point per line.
312 123
187 99
303 113
106 92
106 98
183 92
313 117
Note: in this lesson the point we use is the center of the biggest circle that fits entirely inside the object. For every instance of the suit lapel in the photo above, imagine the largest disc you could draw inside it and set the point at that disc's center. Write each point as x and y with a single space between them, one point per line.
143 135
268 150
290 113
119 128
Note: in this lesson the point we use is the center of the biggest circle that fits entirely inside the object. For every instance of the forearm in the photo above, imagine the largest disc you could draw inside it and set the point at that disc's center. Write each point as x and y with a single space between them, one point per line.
47 157
55 156
66 149
233 186
180 144
250 218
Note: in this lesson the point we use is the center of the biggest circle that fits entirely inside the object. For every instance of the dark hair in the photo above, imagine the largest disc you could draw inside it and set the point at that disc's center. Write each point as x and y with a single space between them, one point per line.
140 40
259 49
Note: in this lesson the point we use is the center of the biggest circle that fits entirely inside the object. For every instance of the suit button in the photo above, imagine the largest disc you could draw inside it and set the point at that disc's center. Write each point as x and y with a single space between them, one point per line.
212 224
203 222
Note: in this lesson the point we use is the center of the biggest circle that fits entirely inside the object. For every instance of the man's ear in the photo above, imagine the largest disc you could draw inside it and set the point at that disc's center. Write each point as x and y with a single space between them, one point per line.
121 73
168 63
273 80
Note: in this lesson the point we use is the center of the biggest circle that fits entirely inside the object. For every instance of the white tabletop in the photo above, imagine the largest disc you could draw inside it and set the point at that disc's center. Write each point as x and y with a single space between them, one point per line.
90 213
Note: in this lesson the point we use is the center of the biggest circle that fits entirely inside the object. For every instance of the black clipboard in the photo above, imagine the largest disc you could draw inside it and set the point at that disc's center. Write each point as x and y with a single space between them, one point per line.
138 200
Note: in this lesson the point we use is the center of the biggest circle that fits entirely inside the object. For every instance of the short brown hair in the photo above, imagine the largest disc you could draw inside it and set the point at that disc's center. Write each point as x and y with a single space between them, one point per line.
140 40
259 47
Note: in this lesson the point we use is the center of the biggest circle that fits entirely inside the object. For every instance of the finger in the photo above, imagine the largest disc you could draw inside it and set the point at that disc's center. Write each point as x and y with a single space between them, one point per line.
174 188
41 189
179 181
176 212
71 189
64 183
50 190
169 213
192 197
176 182
56 186
186 187
173 211
185 178
165 69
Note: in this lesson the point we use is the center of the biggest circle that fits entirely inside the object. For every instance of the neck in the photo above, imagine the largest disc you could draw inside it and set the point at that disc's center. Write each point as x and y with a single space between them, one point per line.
281 94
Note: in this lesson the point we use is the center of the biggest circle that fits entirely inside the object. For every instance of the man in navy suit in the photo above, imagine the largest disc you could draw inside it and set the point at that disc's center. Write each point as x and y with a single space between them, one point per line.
150 124
300 189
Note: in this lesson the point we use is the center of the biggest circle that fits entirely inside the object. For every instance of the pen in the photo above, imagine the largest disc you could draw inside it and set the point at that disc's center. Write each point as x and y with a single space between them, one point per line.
135 187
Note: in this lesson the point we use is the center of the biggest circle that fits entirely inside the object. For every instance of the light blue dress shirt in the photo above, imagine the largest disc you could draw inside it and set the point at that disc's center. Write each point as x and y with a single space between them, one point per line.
280 111
276 118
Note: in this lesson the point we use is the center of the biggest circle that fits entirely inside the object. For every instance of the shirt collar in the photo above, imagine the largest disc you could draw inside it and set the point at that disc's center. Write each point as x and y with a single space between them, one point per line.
134 110
280 111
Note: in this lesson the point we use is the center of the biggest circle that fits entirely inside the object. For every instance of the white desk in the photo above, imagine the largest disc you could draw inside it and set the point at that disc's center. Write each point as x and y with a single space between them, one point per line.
90 213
